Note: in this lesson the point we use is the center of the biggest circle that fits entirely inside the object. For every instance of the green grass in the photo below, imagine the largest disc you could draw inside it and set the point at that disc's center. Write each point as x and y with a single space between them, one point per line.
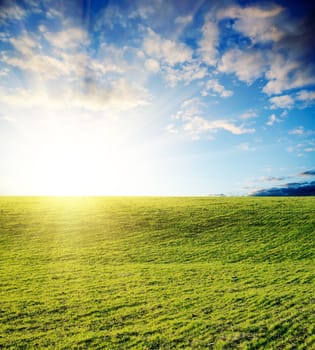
157 273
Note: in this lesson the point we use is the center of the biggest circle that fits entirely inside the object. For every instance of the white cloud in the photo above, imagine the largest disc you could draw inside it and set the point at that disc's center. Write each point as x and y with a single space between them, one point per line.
306 95
192 121
53 13
286 70
287 101
144 11
247 66
302 147
250 11
183 20
4 72
189 109
4 37
285 74
186 72
198 125
111 59
260 30
25 44
209 42
254 22
297 131
34 5
152 65
23 98
117 95
249 115
109 17
42 28
29 57
13 12
245 147
7 119
272 119
213 87
284 101
171 128
42 65
231 127
169 51
67 39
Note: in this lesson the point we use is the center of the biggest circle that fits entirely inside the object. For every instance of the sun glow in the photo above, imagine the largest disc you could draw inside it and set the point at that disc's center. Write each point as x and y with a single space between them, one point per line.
74 160
103 173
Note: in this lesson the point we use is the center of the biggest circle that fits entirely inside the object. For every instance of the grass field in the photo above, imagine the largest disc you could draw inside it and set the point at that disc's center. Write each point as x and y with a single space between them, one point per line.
157 273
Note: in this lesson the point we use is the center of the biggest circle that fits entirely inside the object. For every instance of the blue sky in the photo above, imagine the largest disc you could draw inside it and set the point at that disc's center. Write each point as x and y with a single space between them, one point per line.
156 97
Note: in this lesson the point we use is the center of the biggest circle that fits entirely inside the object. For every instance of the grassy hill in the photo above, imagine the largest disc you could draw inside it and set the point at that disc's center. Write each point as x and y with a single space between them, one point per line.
157 273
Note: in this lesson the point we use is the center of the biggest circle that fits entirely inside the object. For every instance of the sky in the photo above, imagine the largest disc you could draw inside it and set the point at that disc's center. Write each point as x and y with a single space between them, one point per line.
179 98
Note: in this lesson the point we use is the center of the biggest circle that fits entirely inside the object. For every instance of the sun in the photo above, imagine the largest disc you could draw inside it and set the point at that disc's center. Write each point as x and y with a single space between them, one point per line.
83 169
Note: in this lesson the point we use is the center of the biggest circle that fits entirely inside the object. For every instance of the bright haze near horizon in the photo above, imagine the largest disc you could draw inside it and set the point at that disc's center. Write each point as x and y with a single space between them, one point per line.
156 97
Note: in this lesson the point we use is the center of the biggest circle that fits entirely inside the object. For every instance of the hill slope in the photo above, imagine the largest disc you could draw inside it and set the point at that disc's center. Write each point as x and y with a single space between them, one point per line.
157 273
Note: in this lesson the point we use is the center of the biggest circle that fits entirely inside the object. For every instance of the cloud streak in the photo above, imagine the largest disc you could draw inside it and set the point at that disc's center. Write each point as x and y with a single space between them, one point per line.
10 12
118 95
192 120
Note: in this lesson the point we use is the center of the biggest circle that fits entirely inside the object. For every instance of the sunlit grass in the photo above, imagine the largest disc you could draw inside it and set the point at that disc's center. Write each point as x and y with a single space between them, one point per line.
157 273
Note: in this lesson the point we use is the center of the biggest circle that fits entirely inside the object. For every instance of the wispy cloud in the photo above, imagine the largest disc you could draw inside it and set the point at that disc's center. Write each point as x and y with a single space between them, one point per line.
165 50
245 146
306 95
172 58
297 131
214 88
300 131
284 101
185 73
208 44
200 125
254 22
192 121
273 178
119 95
29 56
184 20
11 11
152 65
110 17
249 115
67 39
246 65
272 119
